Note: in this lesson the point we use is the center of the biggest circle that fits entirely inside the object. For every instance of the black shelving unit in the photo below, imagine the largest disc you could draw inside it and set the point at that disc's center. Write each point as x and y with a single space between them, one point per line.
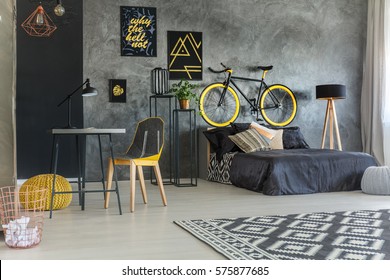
180 116
154 105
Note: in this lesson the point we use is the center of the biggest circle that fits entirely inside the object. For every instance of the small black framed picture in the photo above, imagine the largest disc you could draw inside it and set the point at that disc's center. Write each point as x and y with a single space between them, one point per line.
117 89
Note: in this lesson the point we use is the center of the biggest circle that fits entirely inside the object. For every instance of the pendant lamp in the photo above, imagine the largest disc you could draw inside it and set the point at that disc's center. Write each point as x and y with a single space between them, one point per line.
39 24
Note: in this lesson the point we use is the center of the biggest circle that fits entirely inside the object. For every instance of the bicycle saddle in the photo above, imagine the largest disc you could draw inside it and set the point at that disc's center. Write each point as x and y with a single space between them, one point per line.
265 68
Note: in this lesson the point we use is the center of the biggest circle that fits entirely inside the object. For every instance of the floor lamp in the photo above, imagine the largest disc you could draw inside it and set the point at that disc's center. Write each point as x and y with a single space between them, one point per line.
330 93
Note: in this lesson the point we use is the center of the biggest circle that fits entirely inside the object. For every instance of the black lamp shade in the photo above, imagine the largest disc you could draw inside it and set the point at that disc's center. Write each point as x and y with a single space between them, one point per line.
89 91
331 92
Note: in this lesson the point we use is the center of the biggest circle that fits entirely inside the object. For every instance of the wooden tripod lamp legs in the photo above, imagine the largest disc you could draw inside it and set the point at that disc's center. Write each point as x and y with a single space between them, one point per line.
331 119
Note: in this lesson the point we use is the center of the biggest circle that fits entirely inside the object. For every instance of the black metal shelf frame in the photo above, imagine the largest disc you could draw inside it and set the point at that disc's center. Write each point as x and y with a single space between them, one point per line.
154 112
178 117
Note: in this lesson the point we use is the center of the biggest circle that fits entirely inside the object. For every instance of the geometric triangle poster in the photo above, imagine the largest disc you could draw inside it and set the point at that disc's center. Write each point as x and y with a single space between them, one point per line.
185 55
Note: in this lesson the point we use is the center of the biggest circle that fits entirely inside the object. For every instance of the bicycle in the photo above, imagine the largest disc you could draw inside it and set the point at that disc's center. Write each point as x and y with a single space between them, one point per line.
219 104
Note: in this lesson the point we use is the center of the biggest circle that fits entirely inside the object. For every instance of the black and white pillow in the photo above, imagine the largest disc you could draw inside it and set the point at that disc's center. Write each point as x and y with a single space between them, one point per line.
251 141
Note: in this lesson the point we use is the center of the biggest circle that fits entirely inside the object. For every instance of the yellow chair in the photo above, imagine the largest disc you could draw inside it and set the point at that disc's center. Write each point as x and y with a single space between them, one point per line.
145 150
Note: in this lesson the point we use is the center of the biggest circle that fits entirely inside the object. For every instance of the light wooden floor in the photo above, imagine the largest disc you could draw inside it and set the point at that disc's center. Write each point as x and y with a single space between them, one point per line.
149 232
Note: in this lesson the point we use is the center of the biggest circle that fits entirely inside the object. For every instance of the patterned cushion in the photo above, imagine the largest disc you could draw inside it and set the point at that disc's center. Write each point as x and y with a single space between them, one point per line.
250 141
219 171
376 180
46 181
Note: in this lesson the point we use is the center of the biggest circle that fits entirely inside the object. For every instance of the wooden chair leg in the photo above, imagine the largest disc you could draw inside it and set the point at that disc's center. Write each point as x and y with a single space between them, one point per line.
132 185
142 183
160 183
110 172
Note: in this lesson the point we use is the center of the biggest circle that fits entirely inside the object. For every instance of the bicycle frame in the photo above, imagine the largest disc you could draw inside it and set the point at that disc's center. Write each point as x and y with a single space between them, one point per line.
230 80
275 103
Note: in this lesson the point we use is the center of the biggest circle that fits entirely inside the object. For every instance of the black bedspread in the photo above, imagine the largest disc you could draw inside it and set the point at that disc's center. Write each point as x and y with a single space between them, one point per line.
299 171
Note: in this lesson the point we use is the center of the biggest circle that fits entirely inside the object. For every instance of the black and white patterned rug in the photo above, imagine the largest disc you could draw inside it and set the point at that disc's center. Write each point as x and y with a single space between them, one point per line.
350 235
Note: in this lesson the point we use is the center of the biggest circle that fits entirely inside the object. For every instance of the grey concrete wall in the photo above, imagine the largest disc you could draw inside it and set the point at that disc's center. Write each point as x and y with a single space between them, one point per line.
308 42
6 92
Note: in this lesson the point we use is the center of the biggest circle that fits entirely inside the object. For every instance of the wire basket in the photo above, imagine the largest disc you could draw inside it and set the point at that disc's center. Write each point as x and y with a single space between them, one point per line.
22 216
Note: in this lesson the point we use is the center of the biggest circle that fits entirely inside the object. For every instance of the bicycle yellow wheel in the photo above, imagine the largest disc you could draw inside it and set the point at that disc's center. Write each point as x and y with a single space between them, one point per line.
278 105
219 115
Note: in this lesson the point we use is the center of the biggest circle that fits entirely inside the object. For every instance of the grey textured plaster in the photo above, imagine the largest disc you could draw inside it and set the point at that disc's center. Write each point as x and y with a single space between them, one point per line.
308 42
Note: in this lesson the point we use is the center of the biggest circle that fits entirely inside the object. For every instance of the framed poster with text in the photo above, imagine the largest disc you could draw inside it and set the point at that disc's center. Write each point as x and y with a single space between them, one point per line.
138 31
185 55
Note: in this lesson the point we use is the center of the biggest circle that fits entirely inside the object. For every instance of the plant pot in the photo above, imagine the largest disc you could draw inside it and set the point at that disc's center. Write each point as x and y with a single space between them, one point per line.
184 103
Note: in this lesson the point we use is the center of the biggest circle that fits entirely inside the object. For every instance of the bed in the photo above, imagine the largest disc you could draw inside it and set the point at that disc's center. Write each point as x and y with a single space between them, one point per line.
295 169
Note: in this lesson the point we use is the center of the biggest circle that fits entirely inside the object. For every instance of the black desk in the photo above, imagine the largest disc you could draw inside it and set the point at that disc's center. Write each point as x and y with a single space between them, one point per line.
77 133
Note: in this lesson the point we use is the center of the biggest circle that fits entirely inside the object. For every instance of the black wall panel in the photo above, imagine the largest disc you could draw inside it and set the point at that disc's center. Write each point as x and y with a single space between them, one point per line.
48 69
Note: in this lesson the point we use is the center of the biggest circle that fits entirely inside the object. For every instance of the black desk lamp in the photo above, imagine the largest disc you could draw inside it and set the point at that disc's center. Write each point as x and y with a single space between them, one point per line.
87 91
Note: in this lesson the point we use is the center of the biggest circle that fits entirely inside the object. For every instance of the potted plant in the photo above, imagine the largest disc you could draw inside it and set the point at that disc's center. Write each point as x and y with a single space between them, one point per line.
183 92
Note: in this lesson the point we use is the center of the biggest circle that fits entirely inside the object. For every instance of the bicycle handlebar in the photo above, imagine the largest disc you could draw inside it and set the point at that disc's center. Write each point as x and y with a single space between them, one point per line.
264 68
215 71
221 71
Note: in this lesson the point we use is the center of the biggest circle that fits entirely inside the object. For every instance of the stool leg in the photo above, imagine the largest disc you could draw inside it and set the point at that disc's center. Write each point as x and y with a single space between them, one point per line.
101 163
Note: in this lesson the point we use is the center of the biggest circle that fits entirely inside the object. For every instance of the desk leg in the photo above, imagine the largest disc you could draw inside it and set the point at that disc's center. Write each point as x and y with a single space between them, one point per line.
79 170
82 149
52 154
55 154
115 175
101 164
